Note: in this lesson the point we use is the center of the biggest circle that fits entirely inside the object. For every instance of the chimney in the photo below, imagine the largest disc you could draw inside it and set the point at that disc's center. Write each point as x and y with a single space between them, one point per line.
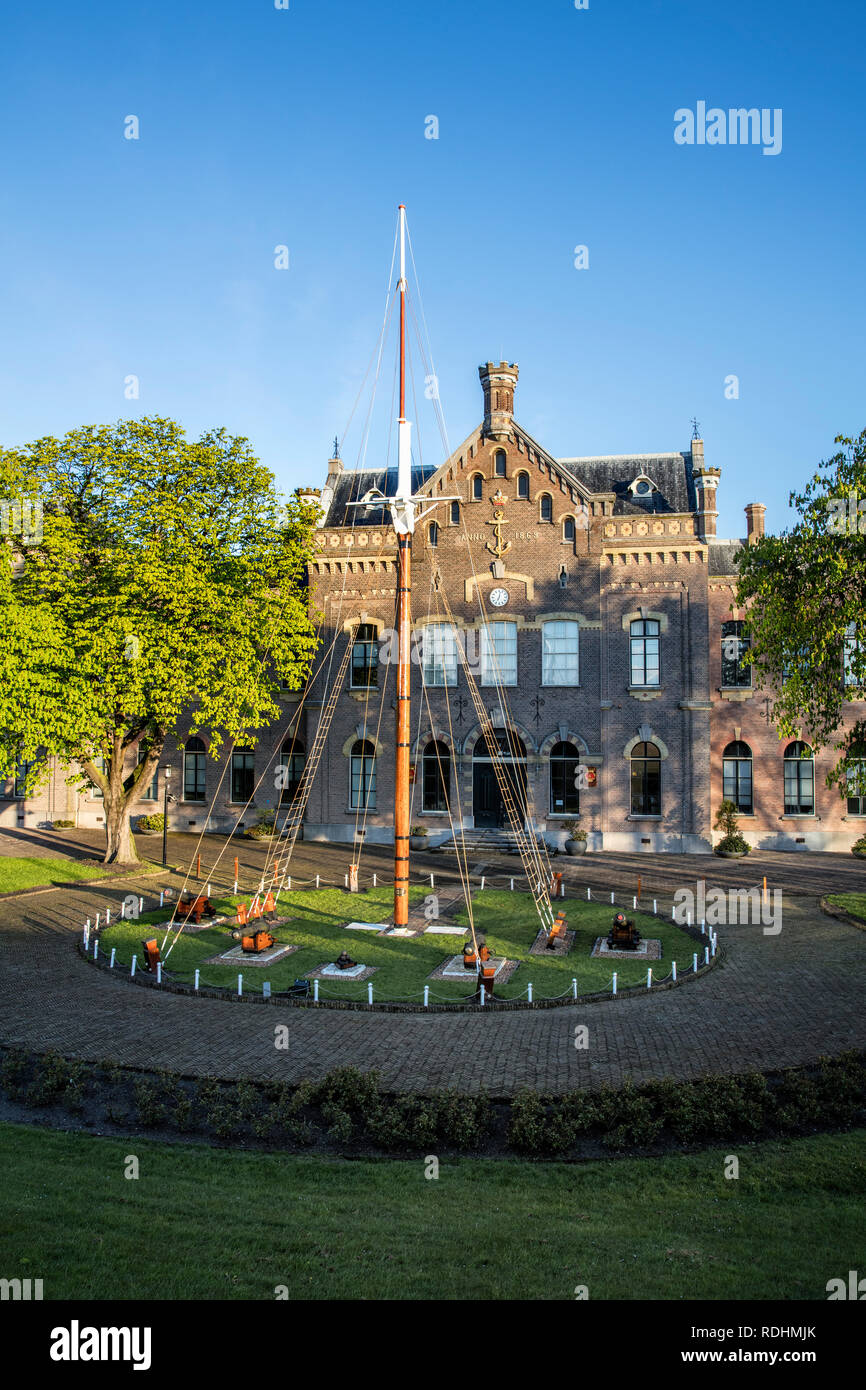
755 512
498 383
706 482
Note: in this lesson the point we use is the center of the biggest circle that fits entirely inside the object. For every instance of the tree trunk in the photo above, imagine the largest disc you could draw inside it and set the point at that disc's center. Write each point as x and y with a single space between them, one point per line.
119 841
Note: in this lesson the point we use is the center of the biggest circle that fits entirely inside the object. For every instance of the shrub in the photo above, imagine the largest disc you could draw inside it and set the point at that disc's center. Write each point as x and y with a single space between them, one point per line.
156 821
727 821
149 1109
351 1090
13 1072
63 825
527 1128
55 1079
265 827
339 1122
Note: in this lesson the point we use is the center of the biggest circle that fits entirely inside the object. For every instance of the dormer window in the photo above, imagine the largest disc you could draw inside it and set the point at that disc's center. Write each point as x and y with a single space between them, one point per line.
642 487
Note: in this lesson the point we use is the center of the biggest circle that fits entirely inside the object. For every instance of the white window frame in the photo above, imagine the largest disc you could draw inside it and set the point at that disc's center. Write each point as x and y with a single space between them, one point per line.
560 652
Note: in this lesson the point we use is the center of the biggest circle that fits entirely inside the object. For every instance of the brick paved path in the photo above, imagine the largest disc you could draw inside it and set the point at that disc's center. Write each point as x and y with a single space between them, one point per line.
772 1002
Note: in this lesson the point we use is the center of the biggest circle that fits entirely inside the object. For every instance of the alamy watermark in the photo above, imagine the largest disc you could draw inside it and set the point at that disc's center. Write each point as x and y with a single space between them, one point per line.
717 908
736 126
22 519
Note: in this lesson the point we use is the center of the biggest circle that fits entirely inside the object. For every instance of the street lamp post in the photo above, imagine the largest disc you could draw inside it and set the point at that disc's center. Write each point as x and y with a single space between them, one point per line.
166 780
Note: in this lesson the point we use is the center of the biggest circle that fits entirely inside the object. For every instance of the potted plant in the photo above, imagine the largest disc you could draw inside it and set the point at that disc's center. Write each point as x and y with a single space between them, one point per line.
732 845
576 842
265 829
858 847
63 825
418 837
150 825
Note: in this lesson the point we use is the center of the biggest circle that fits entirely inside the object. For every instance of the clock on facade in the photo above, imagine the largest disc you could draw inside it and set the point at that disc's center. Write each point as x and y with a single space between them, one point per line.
499 598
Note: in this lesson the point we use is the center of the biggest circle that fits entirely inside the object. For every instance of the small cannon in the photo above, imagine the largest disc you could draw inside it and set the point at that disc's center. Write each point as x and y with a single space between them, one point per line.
253 943
624 935
344 961
196 908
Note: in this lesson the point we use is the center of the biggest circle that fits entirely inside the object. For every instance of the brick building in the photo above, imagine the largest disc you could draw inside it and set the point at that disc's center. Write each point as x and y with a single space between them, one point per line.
622 699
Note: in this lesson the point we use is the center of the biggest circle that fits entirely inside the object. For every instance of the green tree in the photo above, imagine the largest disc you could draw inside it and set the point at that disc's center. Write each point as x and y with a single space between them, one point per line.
805 594
169 581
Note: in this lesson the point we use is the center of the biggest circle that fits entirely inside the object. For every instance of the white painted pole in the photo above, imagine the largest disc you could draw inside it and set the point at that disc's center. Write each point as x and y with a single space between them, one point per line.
113 954
369 991
240 985
614 982
317 880
529 991
482 883
706 955
512 884
574 988
315 991
208 890
95 947
108 916
703 925
236 887
345 880
611 897
655 907
97 921
634 902
159 972
674 971
374 880
141 904
432 885
162 895
649 977
132 967
588 894
289 883
695 962
197 974
689 919
483 995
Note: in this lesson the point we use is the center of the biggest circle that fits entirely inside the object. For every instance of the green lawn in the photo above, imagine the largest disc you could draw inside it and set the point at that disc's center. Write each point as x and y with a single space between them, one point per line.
317 924
855 903
16 874
212 1224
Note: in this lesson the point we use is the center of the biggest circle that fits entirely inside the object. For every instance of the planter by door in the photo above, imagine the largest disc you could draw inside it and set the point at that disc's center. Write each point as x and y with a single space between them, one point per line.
575 846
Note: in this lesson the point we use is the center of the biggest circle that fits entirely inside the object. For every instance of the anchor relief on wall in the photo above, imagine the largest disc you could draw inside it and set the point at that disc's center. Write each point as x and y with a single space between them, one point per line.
498 546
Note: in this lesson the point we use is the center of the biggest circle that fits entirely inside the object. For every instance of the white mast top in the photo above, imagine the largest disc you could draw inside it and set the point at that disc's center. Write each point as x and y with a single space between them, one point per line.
402 508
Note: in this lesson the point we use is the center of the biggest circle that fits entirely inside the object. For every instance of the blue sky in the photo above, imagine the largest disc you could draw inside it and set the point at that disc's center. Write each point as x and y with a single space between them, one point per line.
306 127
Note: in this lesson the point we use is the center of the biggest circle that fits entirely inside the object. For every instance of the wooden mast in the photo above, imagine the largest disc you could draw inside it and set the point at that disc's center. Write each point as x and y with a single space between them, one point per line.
404 524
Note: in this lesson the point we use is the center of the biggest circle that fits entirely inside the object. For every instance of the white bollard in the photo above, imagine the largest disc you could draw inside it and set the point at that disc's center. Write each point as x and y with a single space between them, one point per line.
614 982
512 884
634 902
706 955
689 918
482 883
289 883
674 971
235 889
714 945
317 880
574 988
97 921
611 897
162 895
197 974
141 904
108 916
374 880
240 985
132 967
87 934
369 991
529 991
426 996
95 947
315 991
345 880
266 989
208 890
159 972
431 881
695 962
113 954
588 894
649 977
703 925
655 907
483 996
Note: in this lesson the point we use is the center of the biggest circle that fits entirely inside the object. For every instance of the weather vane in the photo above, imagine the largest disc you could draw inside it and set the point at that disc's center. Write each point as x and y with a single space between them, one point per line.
336 453
695 428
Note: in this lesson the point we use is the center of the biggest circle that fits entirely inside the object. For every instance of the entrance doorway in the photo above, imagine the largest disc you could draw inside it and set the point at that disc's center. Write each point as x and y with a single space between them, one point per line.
488 804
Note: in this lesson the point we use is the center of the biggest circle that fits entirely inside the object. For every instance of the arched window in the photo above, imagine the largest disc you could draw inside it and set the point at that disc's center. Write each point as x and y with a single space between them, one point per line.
455 513
646 780
435 777
362 776
243 774
365 658
737 777
560 653
477 487
499 464
291 769
433 534
799 780
564 793
523 486
545 507
194 755
568 529
857 779
735 672
644 638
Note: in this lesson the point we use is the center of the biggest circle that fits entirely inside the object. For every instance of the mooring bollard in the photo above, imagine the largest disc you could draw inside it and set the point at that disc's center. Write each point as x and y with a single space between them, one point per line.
674 971
369 991
315 991
197 974
574 989
695 962
649 977
426 996
113 954
529 991
614 982
132 967
240 985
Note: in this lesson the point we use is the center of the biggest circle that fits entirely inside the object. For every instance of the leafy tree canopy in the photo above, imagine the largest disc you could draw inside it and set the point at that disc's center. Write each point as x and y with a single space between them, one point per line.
167 580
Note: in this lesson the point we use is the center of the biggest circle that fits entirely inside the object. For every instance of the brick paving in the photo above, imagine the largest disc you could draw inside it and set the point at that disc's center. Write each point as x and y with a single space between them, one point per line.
773 1001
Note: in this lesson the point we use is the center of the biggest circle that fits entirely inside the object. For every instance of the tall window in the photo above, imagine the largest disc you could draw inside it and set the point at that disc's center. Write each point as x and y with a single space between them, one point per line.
737 776
151 791
194 755
292 761
545 507
499 463
799 780
362 776
365 658
440 654
477 487
735 671
646 780
94 793
22 768
455 513
568 530
523 486
854 657
564 795
499 654
434 534
435 777
243 774
857 780
560 653
645 645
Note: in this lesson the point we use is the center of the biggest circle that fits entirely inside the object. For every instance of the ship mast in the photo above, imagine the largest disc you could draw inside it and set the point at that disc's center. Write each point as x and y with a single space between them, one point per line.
403 515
